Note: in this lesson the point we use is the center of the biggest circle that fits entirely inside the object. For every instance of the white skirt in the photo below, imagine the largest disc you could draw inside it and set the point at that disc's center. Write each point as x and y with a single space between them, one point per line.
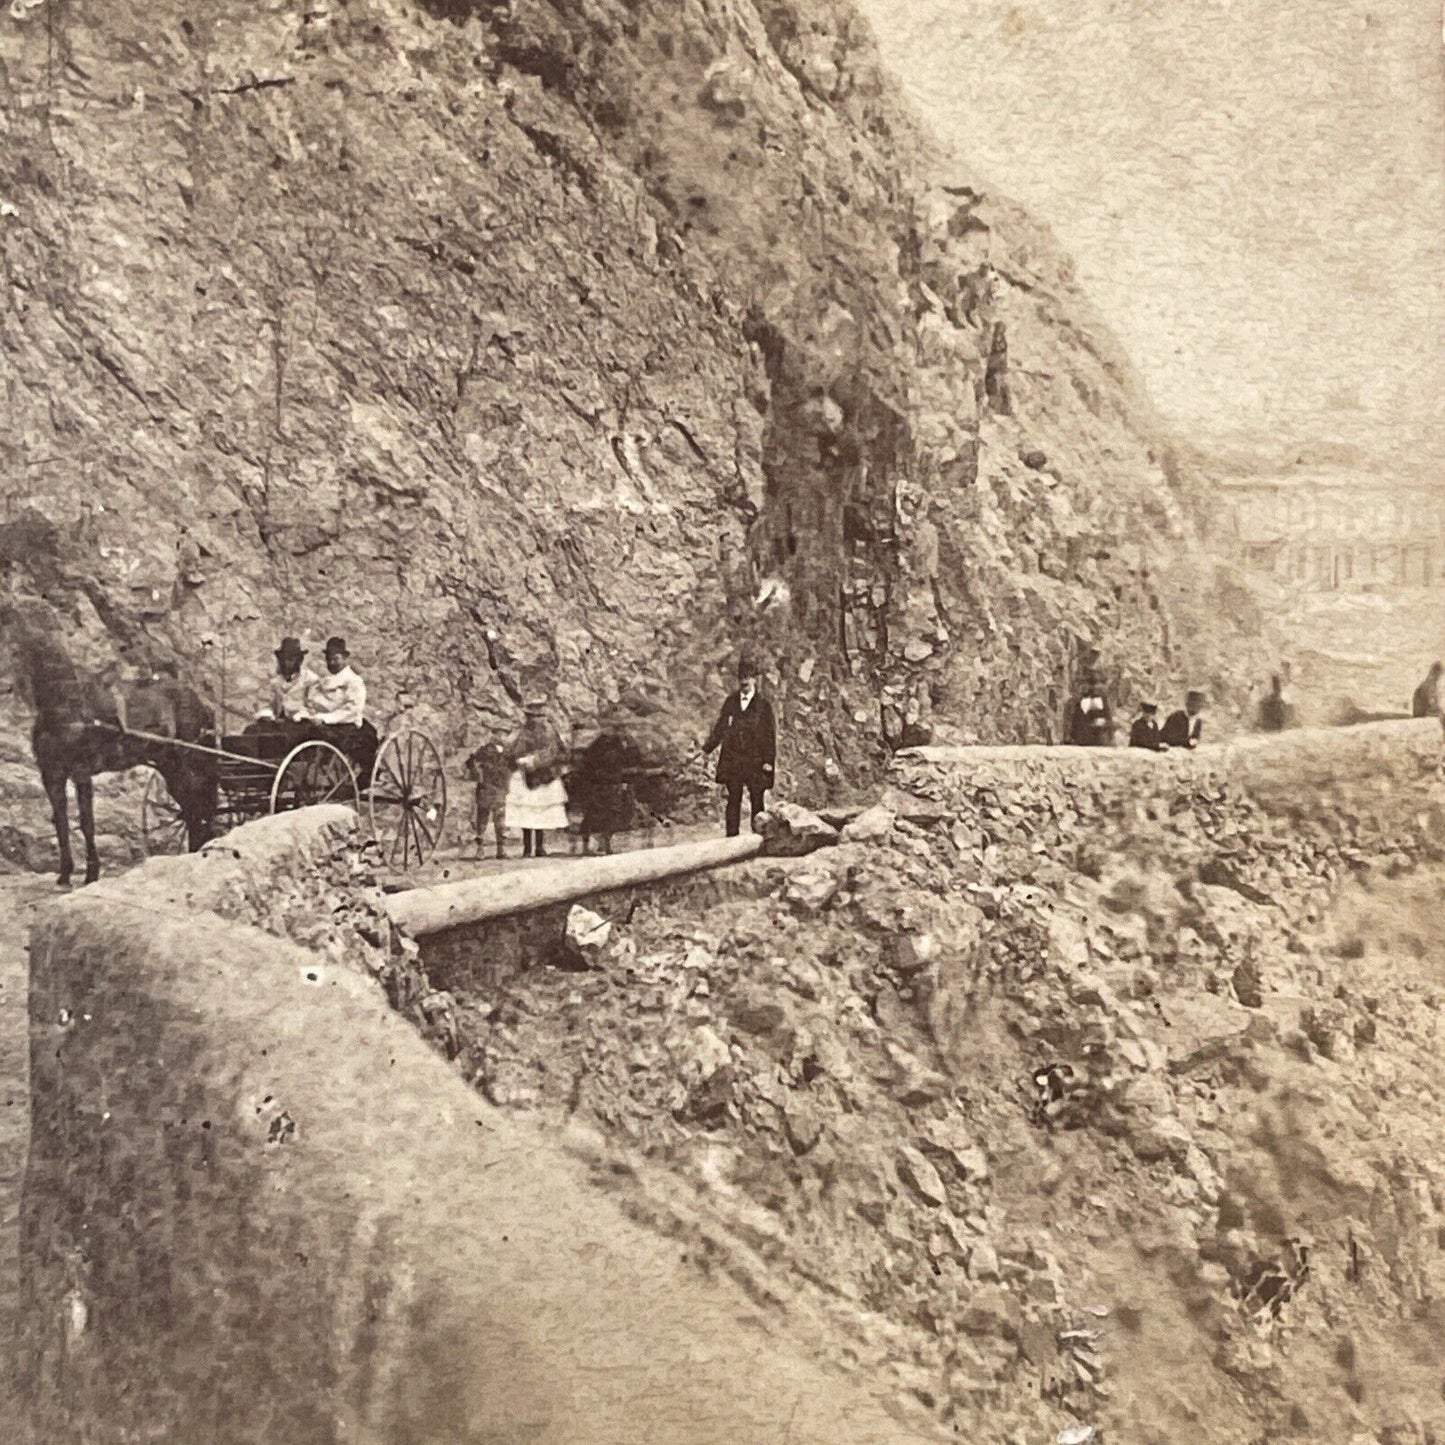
540 808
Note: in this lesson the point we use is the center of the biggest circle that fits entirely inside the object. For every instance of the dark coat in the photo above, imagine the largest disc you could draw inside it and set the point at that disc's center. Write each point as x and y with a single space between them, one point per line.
1426 699
1274 713
749 742
490 769
1181 730
599 784
1145 734
1091 729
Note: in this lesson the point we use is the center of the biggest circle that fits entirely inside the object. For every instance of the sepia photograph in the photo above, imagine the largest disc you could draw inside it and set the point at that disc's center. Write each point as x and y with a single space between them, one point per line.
722 722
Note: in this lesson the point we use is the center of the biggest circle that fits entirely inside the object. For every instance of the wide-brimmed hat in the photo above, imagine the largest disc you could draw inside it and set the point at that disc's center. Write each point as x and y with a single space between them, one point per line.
290 647
336 645
1148 707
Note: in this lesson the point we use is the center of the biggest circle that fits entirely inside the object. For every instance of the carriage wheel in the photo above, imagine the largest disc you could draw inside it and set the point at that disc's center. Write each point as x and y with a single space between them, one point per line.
408 799
163 832
314 773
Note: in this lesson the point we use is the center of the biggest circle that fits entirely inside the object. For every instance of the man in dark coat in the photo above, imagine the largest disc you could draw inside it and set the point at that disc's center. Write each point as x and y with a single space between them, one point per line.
1426 699
1275 711
1184 728
747 733
1145 732
1091 722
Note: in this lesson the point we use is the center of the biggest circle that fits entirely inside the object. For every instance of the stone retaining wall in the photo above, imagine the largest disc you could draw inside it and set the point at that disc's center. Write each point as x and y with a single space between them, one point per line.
259 1208
1366 790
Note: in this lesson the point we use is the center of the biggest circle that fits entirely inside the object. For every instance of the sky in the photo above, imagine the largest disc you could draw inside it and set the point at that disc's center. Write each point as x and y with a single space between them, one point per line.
1253 191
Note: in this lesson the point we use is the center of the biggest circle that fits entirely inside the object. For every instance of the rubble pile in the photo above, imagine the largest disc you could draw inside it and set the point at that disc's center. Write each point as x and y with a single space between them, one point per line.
1081 1137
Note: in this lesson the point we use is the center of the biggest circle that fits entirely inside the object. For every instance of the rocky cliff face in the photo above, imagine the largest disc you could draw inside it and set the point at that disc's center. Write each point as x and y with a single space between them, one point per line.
631 331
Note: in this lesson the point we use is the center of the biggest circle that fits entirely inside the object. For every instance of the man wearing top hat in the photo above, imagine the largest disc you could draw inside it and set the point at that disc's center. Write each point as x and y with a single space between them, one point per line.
336 707
339 696
285 703
289 687
747 734
1184 728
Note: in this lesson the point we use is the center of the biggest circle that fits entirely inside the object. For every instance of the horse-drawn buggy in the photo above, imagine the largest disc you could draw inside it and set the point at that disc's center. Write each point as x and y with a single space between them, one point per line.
398 788
201 784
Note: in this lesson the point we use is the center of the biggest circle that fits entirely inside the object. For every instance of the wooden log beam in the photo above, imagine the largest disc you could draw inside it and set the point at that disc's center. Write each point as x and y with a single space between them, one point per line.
421 911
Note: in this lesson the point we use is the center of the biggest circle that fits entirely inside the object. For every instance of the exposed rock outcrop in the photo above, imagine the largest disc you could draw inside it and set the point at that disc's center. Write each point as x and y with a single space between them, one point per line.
627 331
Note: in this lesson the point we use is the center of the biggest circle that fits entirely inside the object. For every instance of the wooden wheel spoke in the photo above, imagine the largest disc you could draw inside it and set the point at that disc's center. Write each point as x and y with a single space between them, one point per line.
311 774
407 799
390 768
415 832
163 822
336 786
404 832
422 824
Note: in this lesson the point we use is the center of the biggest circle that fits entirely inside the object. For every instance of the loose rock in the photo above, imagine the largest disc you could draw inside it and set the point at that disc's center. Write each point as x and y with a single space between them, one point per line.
920 1176
587 937
789 831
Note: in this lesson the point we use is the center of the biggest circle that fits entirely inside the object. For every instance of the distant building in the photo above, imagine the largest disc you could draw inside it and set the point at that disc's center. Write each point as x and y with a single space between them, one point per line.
1333 531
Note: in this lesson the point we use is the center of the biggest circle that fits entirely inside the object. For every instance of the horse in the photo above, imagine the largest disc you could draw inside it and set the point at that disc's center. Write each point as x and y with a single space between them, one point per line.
80 730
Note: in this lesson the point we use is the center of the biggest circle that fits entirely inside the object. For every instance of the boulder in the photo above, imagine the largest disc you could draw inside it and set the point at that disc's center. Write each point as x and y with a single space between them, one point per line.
1203 1028
921 1087
707 1076
870 826
587 938
1147 1096
913 952
802 1124
811 892
949 1138
924 812
789 831
753 1012
1248 984
1069 941
1158 1137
